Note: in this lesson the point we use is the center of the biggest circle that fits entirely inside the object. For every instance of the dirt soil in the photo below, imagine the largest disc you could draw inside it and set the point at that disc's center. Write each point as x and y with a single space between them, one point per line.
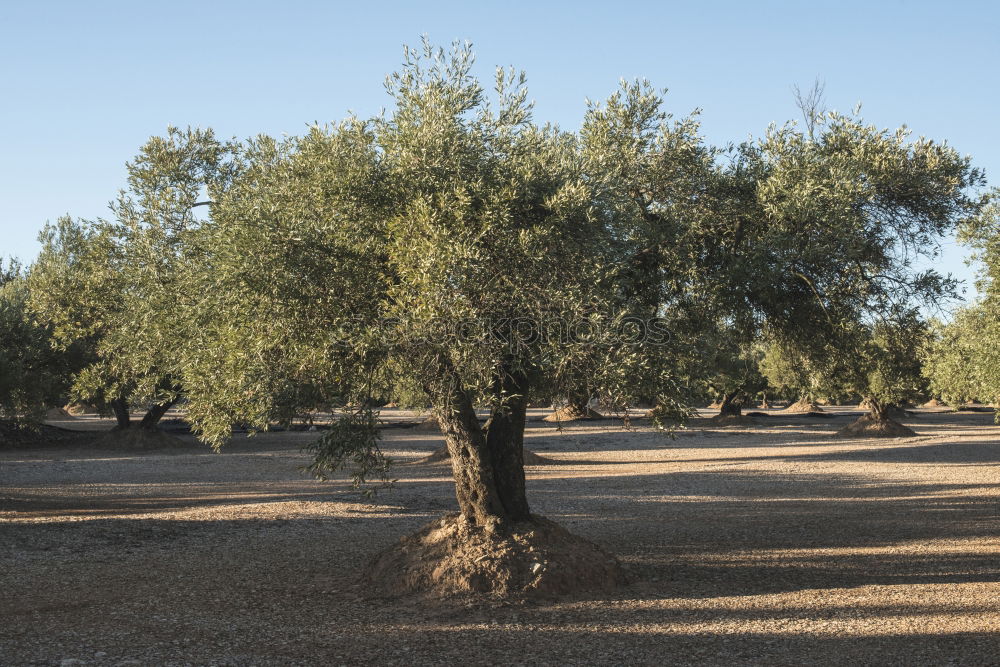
572 413
769 544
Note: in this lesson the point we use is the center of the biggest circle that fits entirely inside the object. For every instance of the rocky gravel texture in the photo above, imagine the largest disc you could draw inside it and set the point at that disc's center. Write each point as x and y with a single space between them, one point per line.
773 543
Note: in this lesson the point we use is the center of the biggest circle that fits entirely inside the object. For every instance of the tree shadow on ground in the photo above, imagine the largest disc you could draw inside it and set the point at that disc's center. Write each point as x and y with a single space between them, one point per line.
717 534
693 541
698 534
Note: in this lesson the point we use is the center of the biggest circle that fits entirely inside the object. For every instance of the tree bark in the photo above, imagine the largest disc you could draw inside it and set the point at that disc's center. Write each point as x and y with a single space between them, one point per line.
487 463
148 421
120 408
155 414
732 405
878 409
505 442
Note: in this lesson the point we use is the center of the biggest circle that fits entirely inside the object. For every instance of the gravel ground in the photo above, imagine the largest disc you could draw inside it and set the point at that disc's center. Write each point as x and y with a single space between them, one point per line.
773 544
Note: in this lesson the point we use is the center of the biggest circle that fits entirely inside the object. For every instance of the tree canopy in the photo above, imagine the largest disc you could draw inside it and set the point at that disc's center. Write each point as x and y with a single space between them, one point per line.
33 375
455 247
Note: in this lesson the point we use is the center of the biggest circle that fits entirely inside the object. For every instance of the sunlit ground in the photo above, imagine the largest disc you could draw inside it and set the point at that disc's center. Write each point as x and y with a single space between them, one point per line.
770 544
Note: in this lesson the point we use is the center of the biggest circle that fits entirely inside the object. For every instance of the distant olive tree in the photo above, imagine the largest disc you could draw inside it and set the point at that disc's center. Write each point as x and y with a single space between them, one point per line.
33 375
111 285
962 357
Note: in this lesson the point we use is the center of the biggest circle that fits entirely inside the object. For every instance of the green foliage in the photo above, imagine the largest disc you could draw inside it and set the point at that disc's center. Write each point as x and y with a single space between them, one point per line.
33 375
961 357
728 365
817 236
351 442
889 360
454 247
795 374
452 243
111 286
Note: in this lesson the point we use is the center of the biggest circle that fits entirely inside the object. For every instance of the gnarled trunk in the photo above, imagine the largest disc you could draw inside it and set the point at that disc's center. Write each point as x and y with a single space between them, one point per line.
732 404
120 408
149 420
877 410
495 545
155 414
505 442
487 463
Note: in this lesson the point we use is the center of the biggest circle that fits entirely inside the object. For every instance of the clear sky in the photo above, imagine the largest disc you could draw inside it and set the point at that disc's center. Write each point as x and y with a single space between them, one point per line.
84 84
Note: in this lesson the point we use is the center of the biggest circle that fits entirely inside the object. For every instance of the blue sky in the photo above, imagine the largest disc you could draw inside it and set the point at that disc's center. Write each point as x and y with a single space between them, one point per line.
84 84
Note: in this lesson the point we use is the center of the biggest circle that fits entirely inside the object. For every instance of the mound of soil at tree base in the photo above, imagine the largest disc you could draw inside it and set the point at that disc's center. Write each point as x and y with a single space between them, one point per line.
803 406
78 408
572 413
869 427
139 439
16 435
56 413
451 557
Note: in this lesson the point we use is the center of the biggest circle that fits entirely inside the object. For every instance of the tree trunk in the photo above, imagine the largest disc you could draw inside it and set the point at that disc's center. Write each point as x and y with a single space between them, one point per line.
148 421
505 442
878 410
487 464
578 403
155 414
732 405
120 408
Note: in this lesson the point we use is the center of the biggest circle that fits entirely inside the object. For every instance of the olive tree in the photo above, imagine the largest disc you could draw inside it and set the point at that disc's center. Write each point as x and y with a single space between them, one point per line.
110 285
801 375
33 375
452 241
885 368
814 237
960 360
960 356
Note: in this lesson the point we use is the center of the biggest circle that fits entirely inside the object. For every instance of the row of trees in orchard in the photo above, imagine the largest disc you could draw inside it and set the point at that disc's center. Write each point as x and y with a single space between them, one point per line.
457 248
962 359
